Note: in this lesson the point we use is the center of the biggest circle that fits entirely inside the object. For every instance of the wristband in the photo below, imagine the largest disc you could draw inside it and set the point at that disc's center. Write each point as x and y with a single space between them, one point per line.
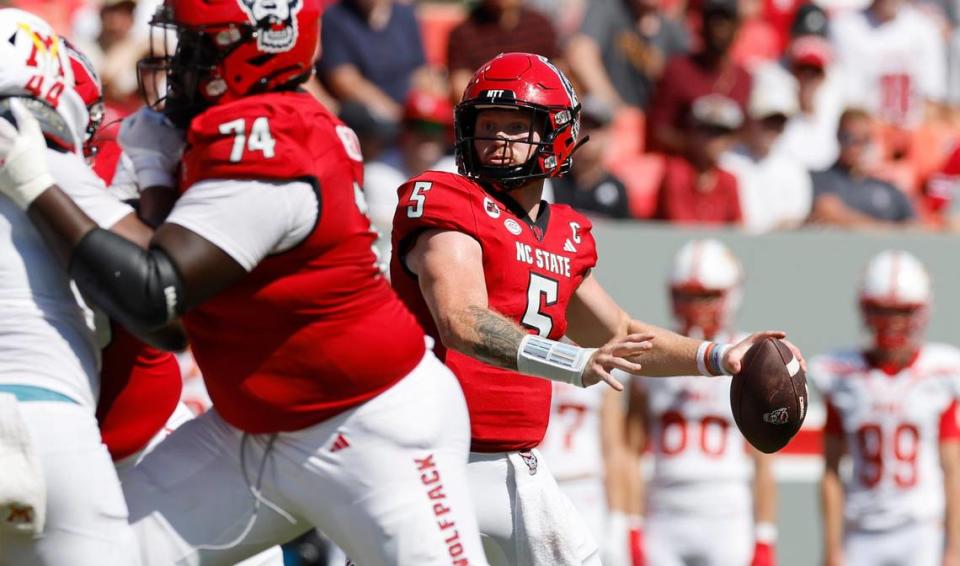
710 358
553 360
765 533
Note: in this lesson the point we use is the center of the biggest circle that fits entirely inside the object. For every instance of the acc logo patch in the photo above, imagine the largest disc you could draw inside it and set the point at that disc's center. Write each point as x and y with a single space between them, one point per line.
491 208
275 22
512 226
778 417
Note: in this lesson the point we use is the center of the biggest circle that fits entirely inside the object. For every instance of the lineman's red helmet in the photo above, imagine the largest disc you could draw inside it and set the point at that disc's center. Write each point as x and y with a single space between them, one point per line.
228 49
532 83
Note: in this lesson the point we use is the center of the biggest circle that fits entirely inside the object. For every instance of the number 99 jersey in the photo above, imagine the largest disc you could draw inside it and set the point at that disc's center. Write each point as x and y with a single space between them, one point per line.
893 424
531 271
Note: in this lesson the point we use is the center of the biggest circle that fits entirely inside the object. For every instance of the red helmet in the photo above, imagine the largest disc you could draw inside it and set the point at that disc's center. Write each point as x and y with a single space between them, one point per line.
88 86
228 49
525 81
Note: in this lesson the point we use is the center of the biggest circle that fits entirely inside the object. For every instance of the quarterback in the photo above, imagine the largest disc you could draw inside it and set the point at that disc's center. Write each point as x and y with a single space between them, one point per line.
499 276
319 420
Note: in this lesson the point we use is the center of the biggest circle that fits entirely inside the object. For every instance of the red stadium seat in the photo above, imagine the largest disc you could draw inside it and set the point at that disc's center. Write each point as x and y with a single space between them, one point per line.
642 175
436 23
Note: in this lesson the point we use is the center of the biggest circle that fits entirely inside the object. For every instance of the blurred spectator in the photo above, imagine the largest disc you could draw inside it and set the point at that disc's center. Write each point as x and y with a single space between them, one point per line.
115 52
941 195
424 139
846 195
590 187
494 27
775 190
757 41
893 60
689 77
622 48
371 52
694 188
811 135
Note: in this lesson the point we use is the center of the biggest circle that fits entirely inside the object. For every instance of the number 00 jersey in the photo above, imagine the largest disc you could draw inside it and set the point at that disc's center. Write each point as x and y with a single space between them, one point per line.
893 424
531 270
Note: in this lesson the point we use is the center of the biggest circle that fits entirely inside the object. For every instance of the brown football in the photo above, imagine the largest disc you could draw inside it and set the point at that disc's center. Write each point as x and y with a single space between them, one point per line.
769 396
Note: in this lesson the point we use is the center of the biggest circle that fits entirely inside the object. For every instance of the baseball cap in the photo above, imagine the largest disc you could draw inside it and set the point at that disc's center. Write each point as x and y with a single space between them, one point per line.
810 50
809 20
428 111
771 98
716 111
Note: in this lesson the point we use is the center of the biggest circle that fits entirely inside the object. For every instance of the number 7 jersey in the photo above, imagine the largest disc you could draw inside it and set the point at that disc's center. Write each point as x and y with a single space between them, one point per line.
893 424
531 270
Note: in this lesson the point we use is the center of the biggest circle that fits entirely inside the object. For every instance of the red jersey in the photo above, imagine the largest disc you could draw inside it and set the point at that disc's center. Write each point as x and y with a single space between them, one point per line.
314 330
683 200
139 389
531 272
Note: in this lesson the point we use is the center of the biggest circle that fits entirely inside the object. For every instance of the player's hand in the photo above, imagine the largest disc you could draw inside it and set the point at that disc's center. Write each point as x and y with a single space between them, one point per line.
154 145
733 360
23 150
764 554
620 353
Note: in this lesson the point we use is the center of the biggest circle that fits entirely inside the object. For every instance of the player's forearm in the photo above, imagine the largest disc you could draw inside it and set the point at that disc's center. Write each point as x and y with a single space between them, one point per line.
764 492
831 498
671 355
950 462
483 334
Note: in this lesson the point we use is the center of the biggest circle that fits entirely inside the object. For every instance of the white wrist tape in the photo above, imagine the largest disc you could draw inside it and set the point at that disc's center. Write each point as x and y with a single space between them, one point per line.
710 359
153 171
553 360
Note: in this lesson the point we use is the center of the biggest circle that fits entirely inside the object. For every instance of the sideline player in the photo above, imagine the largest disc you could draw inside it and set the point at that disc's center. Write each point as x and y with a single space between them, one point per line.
499 276
697 505
892 407
267 255
49 379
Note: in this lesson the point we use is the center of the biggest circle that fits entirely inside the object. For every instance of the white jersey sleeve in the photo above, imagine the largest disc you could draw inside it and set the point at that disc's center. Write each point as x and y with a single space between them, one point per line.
225 212
80 183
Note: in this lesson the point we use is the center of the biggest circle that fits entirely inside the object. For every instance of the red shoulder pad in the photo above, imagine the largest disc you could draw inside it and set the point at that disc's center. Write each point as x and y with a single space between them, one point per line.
436 201
272 136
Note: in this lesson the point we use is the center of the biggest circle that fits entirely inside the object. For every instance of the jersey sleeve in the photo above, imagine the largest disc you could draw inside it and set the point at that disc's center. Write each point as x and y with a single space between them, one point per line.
432 202
223 212
949 428
86 189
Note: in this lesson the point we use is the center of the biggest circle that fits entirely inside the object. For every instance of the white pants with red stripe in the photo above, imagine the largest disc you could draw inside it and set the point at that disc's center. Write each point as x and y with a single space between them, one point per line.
86 522
525 520
386 481
914 544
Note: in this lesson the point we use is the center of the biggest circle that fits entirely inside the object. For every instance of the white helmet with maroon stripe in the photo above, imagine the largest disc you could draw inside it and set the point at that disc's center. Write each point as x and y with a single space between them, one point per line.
895 295
705 288
35 67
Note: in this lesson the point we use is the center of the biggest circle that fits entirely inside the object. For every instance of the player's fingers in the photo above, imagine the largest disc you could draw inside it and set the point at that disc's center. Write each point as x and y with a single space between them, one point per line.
623 364
26 123
759 336
639 337
796 353
609 379
630 349
8 135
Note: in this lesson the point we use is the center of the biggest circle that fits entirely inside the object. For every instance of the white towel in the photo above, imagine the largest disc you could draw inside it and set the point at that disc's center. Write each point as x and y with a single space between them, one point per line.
549 531
23 492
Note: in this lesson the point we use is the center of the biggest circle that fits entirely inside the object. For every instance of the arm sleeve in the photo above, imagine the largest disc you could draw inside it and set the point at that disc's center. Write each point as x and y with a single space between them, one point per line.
223 212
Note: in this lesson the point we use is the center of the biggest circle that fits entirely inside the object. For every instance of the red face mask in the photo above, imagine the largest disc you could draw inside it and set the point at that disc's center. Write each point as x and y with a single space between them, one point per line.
699 312
894 327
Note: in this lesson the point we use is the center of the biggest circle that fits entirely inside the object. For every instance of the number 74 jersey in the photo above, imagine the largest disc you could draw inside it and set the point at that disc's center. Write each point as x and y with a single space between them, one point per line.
531 270
893 424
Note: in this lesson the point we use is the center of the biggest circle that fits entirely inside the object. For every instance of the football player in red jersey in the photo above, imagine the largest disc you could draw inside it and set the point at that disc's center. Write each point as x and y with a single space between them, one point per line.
499 277
318 419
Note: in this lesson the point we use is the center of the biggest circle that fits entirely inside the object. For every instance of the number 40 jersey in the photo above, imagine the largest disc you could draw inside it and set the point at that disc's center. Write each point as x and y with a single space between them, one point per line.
531 269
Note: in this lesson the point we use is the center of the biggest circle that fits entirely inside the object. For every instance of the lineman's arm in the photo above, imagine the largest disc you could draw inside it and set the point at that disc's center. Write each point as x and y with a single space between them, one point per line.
831 499
449 268
950 463
595 318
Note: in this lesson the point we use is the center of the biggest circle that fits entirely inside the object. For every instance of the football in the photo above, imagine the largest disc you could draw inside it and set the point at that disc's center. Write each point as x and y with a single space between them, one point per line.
769 396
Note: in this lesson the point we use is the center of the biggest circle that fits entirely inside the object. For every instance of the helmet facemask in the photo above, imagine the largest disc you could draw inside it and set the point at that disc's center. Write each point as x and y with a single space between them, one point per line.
894 326
542 161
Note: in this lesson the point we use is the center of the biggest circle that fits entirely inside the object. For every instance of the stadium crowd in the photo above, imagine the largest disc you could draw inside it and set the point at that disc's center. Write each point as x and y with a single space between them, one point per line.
765 115
694 107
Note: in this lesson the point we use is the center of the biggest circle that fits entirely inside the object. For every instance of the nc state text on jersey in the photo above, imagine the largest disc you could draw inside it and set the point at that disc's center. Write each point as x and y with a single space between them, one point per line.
548 261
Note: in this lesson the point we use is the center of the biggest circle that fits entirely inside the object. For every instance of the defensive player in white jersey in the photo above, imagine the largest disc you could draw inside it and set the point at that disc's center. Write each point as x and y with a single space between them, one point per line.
698 501
60 501
582 436
891 406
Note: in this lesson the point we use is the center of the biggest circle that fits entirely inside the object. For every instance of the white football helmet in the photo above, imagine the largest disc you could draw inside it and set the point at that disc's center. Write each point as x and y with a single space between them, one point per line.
705 288
35 66
895 295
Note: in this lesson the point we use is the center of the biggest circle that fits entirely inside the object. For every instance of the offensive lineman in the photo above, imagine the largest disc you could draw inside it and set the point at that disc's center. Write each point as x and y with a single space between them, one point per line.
698 502
499 276
267 254
892 407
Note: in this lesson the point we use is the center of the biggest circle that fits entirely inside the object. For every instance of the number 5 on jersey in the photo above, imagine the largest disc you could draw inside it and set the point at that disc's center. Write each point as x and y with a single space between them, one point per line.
418 199
258 140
